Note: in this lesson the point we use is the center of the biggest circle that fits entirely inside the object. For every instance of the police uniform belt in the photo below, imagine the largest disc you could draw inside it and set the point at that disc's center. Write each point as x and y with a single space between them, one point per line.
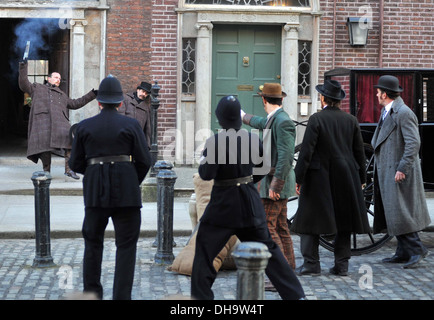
233 182
109 159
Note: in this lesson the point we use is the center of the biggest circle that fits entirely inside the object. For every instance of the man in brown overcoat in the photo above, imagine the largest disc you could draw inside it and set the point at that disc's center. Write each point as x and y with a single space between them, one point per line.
137 105
49 126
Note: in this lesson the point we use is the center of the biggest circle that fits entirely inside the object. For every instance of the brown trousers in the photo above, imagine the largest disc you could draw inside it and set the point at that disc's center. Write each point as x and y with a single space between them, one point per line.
276 215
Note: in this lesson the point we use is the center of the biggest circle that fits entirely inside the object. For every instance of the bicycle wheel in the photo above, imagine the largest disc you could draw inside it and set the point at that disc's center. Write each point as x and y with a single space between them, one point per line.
363 243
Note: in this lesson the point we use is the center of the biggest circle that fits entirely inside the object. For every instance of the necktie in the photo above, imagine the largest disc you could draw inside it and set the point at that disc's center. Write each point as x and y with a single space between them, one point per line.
380 123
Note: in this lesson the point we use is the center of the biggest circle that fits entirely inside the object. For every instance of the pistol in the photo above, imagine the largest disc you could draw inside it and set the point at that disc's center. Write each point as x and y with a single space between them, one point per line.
26 52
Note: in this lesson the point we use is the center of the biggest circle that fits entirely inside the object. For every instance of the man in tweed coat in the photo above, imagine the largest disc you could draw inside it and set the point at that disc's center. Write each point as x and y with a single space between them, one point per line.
400 204
49 125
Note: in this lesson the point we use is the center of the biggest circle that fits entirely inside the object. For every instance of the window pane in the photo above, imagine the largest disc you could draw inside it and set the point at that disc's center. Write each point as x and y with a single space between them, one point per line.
37 70
273 3
304 67
188 65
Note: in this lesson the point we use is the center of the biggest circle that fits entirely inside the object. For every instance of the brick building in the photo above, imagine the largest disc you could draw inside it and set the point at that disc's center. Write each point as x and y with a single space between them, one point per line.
200 50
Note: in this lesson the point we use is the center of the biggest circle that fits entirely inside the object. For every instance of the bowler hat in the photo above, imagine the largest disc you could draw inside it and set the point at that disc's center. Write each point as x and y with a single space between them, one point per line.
331 89
228 113
145 86
110 91
389 83
272 90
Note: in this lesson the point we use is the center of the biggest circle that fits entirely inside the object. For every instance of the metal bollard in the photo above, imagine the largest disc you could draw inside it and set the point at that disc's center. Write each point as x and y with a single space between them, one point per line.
41 181
155 104
251 259
166 178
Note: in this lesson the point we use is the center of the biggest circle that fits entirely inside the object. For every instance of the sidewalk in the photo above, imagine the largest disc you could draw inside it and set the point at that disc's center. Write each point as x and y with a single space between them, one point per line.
17 212
17 207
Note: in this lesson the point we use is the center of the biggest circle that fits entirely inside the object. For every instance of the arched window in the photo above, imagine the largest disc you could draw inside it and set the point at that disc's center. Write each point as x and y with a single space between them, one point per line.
271 3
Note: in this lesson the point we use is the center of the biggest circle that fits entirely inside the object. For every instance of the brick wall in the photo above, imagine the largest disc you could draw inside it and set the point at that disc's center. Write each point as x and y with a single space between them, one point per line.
141 46
408 35
128 41
164 60
412 24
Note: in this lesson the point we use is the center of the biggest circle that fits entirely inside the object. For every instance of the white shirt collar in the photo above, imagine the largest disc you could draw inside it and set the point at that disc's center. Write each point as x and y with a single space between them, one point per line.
387 109
272 113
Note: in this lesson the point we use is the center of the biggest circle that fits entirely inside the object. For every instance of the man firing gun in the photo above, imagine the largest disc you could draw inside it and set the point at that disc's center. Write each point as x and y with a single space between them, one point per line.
48 130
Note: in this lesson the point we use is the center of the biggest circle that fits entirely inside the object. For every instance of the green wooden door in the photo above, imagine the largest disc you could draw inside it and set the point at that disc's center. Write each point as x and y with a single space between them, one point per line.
244 58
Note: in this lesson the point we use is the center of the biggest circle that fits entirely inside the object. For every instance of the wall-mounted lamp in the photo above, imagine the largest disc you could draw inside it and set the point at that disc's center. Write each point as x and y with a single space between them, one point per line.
358 31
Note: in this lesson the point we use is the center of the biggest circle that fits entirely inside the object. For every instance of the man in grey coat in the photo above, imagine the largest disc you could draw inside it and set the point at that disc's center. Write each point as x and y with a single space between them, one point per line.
400 204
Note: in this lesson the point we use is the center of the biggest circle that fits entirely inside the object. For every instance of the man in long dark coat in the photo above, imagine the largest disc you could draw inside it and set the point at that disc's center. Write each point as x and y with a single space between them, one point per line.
235 207
49 126
111 151
137 105
329 174
400 205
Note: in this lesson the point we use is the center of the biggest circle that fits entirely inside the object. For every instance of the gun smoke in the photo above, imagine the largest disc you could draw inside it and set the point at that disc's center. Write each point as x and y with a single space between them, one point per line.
36 31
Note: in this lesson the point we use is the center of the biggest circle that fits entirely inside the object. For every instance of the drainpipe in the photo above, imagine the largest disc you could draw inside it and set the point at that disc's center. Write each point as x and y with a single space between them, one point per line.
380 49
334 34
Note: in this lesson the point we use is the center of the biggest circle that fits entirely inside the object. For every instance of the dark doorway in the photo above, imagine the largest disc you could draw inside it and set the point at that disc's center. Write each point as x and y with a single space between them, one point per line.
53 48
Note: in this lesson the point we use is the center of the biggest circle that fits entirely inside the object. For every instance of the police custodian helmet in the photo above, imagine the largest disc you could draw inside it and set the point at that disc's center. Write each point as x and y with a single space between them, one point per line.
228 113
110 91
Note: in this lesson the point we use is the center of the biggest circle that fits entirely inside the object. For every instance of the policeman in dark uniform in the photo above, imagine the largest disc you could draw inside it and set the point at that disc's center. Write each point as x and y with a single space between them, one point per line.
231 159
112 153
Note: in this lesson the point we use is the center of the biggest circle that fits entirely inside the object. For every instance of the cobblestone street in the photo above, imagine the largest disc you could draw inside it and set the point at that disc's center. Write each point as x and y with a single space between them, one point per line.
369 278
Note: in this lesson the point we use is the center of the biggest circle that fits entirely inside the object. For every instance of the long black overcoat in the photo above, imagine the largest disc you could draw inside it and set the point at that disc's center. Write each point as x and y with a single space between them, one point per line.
110 185
331 170
227 207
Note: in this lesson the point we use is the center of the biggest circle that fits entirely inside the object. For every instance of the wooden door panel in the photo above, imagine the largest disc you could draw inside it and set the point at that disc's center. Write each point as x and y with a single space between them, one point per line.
244 58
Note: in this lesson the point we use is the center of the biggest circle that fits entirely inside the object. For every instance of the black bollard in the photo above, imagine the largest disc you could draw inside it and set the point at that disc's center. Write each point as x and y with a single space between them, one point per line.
155 104
251 259
166 178
41 181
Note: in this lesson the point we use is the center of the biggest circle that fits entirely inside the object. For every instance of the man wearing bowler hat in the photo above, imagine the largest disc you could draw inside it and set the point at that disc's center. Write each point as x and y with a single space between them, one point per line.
279 184
329 174
400 204
137 105
112 153
235 208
